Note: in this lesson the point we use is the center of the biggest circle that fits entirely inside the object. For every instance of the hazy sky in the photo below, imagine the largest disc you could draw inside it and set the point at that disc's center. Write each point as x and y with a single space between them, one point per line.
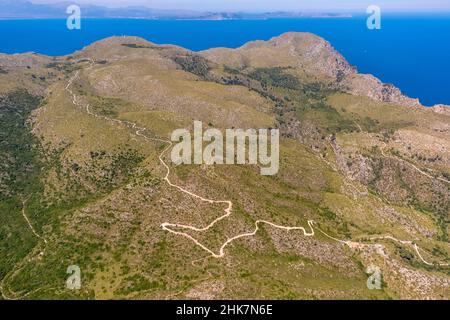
259 5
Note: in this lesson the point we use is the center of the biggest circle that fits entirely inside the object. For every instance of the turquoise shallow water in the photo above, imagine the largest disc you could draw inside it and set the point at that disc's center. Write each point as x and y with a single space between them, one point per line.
412 52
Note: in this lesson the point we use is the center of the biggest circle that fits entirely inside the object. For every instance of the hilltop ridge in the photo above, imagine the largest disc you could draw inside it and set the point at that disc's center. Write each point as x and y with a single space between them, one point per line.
314 56
305 53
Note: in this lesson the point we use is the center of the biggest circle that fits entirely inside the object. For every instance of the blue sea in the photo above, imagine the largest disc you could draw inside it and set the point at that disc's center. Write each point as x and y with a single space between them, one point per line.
412 52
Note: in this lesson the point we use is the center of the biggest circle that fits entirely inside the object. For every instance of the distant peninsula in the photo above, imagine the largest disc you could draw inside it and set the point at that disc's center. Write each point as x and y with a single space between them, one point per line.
23 9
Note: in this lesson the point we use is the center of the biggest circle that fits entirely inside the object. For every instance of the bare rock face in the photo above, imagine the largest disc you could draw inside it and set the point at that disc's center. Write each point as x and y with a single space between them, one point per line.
369 86
441 109
314 54
322 59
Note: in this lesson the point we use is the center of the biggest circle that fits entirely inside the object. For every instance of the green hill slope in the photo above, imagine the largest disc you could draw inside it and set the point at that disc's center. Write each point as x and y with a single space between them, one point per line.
368 165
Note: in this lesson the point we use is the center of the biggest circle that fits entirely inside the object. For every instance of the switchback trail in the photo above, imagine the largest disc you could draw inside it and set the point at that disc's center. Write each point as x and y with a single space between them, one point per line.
169 227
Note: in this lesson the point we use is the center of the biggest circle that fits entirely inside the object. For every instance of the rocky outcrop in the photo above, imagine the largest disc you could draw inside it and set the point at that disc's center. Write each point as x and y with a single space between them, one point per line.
369 86
304 53
314 57
441 109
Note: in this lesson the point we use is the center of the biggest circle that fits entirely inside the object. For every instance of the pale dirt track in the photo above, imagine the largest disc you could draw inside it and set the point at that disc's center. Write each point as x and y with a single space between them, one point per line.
228 211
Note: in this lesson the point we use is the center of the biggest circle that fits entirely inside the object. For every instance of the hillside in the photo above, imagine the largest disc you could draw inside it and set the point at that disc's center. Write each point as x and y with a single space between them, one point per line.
82 178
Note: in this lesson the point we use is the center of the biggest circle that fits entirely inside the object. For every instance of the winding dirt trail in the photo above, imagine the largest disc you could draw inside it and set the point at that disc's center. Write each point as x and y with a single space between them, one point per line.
169 226
411 164
21 264
229 205
37 235
227 211
382 149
